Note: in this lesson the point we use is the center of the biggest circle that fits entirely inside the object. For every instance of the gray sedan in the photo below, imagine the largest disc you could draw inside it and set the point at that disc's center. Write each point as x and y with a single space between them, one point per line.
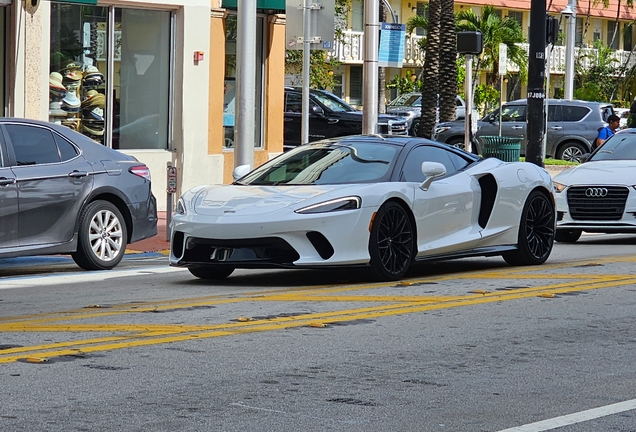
61 193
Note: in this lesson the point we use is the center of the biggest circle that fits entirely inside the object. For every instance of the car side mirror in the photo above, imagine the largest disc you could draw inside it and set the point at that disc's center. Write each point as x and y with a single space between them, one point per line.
584 157
431 171
240 171
316 110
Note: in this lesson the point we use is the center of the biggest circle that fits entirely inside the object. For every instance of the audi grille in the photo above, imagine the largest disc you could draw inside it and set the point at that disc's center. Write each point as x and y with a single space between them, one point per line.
597 202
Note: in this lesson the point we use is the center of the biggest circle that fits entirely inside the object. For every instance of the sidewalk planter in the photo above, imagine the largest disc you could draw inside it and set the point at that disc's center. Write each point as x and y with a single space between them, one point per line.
505 148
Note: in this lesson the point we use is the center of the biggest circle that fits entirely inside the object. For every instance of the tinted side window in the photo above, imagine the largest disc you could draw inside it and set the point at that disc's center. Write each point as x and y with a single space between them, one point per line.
293 102
33 145
574 113
513 113
554 113
67 150
606 112
412 170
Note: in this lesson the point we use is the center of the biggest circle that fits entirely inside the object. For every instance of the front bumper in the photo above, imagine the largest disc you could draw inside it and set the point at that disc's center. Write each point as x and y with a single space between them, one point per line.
613 213
275 240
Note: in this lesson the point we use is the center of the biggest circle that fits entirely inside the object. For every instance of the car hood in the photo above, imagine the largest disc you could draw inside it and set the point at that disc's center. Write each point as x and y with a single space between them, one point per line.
257 200
357 117
601 172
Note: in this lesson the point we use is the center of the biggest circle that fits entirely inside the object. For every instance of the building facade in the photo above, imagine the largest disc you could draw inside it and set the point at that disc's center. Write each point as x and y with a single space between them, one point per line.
610 25
153 79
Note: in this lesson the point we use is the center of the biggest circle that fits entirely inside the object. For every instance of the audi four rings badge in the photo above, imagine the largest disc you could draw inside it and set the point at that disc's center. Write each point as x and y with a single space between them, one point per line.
595 192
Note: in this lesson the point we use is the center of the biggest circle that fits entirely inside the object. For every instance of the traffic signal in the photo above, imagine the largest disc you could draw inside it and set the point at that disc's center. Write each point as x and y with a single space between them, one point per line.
551 30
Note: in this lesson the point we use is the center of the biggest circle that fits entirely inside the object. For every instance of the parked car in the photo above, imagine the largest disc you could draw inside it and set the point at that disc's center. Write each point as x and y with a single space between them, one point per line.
329 117
63 193
409 107
366 201
599 195
572 126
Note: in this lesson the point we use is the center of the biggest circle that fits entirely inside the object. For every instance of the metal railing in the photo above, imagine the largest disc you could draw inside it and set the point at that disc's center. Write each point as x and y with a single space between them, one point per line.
351 51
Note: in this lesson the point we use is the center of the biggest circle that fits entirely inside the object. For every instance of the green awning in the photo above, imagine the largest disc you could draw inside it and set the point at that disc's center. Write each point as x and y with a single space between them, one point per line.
260 4
86 2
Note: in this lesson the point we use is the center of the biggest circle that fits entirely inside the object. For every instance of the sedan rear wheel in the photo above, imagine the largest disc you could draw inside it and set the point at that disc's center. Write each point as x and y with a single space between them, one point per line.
536 232
210 272
568 235
102 237
391 244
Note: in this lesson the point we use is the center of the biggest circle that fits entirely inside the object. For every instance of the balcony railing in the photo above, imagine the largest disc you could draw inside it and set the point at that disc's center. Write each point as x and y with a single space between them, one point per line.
351 51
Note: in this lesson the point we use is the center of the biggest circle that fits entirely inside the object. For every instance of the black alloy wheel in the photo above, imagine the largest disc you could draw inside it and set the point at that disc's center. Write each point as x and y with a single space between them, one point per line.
391 244
536 232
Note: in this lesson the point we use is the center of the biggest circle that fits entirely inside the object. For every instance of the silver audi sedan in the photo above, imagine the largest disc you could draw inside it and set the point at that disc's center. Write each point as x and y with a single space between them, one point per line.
62 193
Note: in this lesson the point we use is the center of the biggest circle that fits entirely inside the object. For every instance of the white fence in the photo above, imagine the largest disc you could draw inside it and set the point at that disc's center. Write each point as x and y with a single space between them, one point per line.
351 51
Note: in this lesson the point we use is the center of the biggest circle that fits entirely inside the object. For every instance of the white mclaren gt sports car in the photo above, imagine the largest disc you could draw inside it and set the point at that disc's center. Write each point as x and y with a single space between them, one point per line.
372 201
600 194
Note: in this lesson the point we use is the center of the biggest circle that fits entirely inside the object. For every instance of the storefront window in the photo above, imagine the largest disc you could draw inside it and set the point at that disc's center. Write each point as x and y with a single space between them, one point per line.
140 77
230 81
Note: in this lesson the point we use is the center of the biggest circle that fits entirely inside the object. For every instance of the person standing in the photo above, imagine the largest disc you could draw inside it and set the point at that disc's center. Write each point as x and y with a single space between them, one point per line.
609 130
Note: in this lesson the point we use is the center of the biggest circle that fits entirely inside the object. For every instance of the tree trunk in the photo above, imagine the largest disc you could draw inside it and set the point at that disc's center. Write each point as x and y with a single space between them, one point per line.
447 62
430 85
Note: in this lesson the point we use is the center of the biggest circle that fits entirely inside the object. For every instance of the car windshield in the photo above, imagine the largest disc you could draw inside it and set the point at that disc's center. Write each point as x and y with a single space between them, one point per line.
408 99
333 102
618 147
326 163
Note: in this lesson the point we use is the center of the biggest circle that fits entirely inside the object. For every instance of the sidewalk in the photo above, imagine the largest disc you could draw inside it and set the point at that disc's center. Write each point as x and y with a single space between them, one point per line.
157 243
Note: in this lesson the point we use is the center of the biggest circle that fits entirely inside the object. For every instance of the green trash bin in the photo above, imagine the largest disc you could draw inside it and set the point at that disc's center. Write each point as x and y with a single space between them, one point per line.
505 148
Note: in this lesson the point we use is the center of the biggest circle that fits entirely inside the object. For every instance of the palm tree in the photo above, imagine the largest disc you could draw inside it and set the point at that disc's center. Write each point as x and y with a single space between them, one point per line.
447 62
495 30
430 72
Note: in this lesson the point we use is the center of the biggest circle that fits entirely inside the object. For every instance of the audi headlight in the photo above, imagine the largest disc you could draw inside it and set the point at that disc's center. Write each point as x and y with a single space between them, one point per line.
558 187
339 204
181 207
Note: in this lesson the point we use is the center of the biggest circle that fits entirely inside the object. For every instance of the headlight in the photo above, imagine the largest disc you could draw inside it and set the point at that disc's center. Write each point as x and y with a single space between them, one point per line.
181 207
347 203
439 129
558 187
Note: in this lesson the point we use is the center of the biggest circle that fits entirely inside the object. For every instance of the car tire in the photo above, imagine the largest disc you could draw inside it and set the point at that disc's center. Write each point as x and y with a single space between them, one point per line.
567 235
101 237
210 272
414 127
571 152
536 232
391 243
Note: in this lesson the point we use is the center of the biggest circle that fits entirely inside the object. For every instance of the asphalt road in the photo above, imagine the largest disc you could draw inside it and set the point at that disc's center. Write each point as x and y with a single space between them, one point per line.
467 345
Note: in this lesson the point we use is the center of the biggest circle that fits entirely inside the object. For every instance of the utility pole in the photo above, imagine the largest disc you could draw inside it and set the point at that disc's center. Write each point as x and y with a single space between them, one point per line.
370 67
536 83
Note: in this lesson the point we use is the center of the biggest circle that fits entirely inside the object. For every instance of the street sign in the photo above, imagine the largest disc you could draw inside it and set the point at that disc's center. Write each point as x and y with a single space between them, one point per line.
322 24
172 180
503 59
392 38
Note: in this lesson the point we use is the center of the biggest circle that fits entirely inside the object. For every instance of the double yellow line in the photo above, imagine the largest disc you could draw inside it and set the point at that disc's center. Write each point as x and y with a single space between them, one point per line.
138 335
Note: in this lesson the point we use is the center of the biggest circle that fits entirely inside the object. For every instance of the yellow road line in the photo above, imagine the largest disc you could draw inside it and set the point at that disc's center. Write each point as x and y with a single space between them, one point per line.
158 334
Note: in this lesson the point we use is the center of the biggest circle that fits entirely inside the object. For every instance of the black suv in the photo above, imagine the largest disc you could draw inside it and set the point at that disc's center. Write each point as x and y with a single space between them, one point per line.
572 126
330 116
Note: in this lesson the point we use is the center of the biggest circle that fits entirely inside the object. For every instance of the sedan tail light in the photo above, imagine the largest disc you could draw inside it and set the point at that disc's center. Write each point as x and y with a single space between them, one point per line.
141 171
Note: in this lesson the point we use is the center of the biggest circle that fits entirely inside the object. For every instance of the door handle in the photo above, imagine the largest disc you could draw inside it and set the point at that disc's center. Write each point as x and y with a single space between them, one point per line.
289 119
556 128
77 174
332 121
6 181
516 127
